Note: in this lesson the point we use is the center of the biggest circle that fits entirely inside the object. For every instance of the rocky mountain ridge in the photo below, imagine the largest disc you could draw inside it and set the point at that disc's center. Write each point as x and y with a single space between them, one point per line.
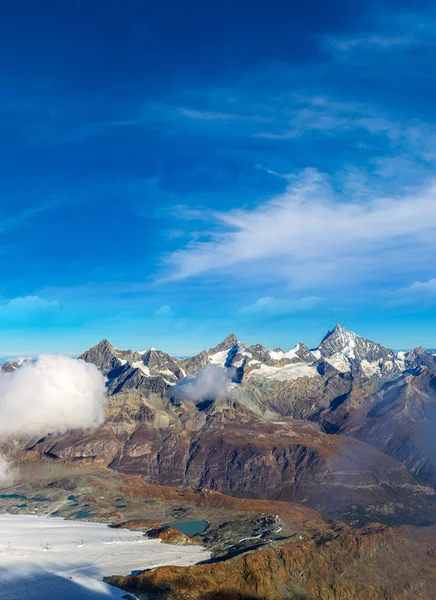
340 350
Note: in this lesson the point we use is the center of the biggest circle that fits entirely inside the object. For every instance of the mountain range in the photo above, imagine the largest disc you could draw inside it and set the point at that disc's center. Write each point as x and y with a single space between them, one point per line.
340 350
344 428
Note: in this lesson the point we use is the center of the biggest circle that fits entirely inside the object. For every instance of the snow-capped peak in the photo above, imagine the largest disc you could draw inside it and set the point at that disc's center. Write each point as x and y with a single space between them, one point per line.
347 351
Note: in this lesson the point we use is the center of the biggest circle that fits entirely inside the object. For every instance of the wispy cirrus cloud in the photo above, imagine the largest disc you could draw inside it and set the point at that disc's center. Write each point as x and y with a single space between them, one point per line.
377 41
313 236
16 220
202 115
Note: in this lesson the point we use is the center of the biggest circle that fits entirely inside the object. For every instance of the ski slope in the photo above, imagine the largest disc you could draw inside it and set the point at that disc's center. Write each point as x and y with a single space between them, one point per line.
46 557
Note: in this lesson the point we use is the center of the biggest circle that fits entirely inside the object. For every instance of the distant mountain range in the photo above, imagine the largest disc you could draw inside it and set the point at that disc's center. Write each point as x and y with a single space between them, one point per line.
340 351
345 428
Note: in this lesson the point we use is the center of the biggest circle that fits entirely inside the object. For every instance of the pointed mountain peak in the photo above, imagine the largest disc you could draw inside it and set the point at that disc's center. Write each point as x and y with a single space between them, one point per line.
420 350
104 346
339 331
229 342
104 343
231 339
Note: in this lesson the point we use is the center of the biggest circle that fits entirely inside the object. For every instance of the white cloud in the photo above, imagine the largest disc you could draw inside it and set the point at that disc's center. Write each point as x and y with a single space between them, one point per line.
375 41
51 394
312 235
209 383
321 115
272 306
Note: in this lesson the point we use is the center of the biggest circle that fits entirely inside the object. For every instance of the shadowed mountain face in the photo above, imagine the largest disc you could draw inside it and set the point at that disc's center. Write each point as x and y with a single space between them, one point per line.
399 419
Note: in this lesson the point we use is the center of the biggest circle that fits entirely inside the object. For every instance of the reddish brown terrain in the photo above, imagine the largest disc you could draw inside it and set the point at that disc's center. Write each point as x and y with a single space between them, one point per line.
372 563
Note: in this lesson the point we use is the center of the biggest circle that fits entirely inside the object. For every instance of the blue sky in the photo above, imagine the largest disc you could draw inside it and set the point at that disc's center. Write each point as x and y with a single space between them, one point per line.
173 172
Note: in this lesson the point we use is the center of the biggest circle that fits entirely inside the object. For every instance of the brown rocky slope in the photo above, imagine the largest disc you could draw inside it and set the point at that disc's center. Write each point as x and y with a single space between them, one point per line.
373 563
226 447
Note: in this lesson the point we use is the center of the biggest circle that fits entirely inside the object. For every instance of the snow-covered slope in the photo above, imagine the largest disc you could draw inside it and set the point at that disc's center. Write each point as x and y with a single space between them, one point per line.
42 558
286 373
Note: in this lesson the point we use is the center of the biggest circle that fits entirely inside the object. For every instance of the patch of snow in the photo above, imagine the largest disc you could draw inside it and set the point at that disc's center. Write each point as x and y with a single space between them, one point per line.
219 358
279 354
140 365
286 373
316 354
46 557
340 362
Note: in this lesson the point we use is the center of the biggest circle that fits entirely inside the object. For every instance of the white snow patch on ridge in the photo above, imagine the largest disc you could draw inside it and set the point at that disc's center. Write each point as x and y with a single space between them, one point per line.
46 557
140 365
286 373
279 354
219 358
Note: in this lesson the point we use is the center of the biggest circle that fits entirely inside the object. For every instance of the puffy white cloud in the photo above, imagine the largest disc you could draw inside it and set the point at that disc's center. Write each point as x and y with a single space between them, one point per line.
212 381
52 394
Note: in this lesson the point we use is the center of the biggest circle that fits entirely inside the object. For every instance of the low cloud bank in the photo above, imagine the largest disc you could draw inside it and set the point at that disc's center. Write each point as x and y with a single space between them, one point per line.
51 394
210 382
